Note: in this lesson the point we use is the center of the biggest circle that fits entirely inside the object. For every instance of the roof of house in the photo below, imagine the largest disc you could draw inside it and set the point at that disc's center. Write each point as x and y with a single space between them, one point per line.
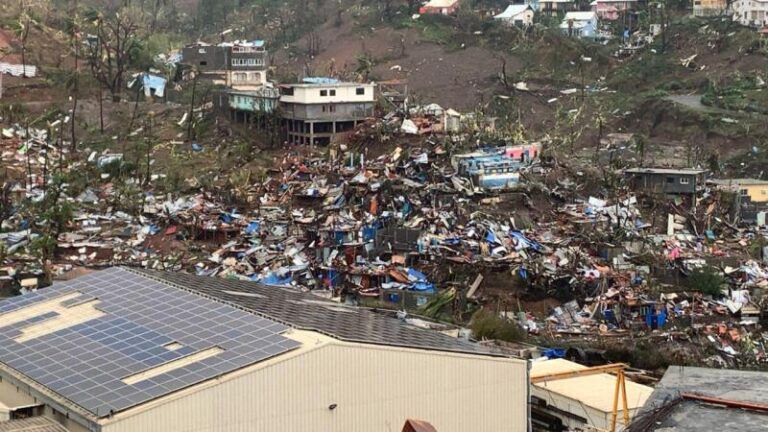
513 10
595 391
309 312
738 182
115 339
580 16
418 426
441 3
32 424
326 84
681 171
690 416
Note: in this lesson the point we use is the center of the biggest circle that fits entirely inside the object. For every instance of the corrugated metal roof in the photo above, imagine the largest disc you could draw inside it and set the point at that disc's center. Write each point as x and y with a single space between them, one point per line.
595 391
33 424
680 171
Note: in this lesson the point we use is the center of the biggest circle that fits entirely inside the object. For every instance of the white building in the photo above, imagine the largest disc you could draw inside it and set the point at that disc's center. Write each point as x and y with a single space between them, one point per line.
752 13
125 351
516 15
580 24
317 109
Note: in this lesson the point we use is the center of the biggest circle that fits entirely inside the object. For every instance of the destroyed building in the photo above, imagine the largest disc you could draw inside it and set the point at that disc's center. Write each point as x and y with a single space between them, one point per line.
317 109
666 180
239 65
172 352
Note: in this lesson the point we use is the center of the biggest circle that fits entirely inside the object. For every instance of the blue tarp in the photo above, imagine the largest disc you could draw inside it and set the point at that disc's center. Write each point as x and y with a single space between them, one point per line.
525 241
320 80
369 233
490 237
252 227
553 353
421 283
274 280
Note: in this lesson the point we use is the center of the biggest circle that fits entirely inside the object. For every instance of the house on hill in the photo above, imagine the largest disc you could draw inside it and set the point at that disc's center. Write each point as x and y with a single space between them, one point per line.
439 7
580 24
516 15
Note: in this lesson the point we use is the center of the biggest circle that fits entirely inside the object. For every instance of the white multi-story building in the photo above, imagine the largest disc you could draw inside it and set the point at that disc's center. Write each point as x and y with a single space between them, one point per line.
751 12
317 109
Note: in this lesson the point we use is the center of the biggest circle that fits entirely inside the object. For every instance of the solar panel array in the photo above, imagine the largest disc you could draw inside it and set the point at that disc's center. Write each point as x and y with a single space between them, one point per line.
87 362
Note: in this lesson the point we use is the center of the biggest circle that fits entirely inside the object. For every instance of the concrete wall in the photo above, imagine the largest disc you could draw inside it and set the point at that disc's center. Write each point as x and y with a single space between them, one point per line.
327 111
371 388
312 94
215 58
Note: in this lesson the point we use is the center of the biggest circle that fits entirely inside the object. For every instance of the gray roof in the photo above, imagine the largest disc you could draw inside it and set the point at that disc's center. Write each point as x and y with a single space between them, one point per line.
680 171
114 324
309 312
690 416
32 424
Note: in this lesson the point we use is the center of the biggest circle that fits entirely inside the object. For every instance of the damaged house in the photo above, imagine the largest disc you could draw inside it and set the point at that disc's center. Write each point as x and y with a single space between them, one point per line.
666 180
316 109
239 65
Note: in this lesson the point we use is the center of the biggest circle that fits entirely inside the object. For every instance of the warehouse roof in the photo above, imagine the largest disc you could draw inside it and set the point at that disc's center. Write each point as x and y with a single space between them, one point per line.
309 312
685 416
114 339
595 391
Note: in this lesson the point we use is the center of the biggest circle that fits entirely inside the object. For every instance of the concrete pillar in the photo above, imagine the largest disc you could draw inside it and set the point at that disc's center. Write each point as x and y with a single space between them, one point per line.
311 134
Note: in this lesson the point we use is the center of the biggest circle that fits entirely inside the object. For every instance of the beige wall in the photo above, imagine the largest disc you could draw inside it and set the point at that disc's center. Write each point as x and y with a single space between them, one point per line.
374 388
12 397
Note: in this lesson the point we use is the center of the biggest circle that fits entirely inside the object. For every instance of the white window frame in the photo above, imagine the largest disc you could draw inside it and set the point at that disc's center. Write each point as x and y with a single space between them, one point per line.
685 180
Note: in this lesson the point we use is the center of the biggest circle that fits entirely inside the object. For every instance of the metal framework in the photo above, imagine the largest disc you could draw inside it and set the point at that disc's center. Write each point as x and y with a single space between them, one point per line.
621 386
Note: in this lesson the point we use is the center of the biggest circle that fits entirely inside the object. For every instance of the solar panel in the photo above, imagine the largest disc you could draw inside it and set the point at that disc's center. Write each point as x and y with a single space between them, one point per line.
87 362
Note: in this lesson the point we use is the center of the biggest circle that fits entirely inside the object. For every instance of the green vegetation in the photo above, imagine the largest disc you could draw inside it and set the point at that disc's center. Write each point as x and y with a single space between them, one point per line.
487 325
738 92
707 280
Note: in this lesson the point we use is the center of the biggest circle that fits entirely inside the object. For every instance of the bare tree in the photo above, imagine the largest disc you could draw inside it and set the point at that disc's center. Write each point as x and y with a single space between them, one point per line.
109 55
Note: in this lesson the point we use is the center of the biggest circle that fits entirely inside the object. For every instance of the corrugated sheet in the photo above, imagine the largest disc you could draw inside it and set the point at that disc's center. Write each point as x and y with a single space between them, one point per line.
18 70
371 389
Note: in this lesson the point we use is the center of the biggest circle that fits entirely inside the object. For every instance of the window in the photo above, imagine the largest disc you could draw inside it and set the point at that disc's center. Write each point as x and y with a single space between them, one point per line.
333 92
764 192
743 192
685 180
360 91
332 108
203 63
286 91
201 51
670 179
247 62
323 92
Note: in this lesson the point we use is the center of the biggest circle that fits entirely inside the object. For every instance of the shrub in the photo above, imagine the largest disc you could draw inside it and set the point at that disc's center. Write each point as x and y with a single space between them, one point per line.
707 280
487 325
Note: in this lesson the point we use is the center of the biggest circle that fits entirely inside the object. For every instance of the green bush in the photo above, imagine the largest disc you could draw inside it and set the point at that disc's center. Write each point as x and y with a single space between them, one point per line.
707 280
487 325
